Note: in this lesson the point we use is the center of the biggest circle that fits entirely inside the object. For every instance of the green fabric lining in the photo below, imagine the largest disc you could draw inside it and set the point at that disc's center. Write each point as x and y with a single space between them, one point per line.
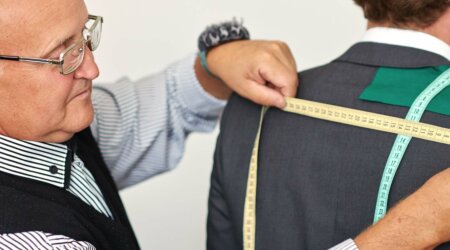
397 86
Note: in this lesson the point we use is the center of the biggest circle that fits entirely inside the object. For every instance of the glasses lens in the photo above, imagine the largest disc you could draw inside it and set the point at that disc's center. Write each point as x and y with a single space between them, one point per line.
96 35
73 58
94 32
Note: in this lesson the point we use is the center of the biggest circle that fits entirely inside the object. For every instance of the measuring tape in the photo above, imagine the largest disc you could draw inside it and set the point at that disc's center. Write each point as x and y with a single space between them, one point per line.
337 114
401 142
250 197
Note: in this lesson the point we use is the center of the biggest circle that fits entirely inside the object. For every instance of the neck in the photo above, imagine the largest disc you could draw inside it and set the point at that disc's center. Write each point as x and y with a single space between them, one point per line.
439 29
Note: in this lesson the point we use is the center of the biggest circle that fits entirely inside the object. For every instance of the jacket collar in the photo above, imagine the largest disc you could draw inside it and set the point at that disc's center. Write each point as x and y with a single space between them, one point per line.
407 38
388 55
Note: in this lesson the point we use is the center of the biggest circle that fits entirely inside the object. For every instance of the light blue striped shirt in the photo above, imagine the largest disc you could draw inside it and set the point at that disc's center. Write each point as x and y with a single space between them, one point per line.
141 126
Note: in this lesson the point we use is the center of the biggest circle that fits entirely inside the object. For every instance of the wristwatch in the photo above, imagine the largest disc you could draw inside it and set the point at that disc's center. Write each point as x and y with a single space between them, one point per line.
218 34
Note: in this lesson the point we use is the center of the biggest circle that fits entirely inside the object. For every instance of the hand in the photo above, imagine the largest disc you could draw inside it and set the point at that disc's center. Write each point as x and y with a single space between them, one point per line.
421 221
262 71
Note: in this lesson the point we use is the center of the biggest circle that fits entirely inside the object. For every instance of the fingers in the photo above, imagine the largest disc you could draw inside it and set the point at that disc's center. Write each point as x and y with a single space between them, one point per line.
277 66
264 95
283 78
262 71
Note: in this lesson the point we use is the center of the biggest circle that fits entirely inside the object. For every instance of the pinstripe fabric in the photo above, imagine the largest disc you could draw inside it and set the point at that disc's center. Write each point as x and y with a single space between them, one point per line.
40 241
83 185
33 160
346 245
46 162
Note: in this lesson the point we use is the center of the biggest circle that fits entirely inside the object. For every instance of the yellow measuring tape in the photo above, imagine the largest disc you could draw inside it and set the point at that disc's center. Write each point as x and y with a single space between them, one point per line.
337 114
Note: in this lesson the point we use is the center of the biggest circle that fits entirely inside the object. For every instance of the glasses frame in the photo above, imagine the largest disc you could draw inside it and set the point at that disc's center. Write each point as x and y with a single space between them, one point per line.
60 62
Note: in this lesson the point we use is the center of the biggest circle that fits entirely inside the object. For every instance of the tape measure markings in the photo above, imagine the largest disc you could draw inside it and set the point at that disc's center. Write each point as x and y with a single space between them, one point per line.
337 114
401 143
250 197
369 120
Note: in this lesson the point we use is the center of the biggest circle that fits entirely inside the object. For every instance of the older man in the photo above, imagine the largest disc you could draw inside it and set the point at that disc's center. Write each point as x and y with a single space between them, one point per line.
59 178
317 180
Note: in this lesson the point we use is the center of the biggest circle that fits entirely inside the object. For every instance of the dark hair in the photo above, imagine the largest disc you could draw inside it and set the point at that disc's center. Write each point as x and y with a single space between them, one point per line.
404 13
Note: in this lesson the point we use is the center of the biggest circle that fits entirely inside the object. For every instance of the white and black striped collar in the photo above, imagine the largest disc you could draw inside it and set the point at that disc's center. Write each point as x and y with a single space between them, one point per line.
44 162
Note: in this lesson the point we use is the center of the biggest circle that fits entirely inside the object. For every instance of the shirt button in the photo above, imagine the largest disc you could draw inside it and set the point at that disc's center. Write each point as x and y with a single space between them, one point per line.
53 169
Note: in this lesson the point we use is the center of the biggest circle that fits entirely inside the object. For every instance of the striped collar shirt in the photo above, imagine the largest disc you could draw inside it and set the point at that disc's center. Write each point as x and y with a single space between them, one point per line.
54 164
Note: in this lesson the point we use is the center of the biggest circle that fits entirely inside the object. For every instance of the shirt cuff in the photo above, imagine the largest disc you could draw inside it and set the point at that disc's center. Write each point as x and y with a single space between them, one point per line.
346 245
191 93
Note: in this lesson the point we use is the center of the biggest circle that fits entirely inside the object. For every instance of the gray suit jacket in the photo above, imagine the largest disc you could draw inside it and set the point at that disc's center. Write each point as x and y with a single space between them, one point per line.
317 180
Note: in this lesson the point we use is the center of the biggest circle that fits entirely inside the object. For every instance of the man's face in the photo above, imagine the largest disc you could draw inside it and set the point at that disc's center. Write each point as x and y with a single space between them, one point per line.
36 101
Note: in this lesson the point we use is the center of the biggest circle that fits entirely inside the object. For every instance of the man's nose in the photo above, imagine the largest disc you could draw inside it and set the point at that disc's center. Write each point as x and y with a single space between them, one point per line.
88 68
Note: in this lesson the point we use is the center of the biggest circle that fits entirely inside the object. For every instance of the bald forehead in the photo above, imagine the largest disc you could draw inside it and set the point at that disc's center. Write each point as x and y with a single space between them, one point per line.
38 10
36 19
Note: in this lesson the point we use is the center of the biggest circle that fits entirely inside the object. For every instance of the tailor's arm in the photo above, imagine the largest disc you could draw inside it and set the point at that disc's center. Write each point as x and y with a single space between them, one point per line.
141 126
421 221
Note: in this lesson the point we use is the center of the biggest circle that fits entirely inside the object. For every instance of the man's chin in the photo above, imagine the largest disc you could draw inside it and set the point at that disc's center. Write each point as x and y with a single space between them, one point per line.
80 121
69 132
85 121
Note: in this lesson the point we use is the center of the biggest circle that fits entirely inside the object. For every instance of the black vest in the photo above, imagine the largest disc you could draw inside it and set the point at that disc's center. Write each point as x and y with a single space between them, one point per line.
27 205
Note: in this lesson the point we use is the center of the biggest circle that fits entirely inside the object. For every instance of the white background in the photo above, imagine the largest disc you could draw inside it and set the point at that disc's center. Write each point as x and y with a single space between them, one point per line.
141 37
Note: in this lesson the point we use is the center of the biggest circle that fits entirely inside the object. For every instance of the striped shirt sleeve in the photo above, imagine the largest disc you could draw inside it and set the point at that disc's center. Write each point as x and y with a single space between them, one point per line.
40 240
141 126
349 244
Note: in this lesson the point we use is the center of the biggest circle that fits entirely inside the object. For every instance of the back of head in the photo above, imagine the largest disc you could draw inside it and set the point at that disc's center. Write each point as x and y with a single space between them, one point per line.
404 13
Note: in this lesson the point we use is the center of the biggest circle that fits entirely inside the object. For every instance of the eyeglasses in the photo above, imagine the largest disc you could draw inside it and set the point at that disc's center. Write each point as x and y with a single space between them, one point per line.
72 57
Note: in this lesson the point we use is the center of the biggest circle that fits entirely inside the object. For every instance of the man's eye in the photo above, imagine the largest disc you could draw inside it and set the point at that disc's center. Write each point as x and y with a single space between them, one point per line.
57 51
66 43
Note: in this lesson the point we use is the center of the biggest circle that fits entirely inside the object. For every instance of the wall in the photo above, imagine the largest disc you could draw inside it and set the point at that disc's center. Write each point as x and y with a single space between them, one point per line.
143 37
